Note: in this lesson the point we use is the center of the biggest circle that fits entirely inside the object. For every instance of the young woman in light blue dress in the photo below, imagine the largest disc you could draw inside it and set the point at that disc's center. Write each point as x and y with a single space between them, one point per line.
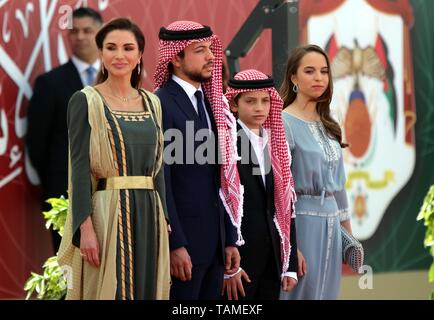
315 140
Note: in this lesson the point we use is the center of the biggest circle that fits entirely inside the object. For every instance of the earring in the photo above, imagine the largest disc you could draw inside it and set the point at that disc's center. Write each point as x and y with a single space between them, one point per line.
295 88
102 69
138 68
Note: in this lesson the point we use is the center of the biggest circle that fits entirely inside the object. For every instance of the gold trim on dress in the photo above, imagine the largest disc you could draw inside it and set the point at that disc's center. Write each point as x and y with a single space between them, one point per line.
130 113
121 222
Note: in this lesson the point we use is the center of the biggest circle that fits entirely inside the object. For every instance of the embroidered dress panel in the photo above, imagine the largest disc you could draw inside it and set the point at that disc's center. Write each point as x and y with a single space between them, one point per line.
131 116
329 147
131 137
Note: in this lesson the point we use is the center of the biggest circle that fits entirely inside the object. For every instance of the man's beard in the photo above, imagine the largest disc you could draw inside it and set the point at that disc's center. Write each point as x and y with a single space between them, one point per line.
196 76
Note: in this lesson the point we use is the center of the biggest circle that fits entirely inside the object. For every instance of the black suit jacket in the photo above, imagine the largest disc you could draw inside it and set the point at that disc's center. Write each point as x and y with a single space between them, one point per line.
47 133
262 241
197 216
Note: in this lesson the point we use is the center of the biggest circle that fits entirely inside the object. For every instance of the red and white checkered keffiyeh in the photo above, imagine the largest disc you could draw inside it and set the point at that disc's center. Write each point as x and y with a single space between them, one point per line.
284 194
230 188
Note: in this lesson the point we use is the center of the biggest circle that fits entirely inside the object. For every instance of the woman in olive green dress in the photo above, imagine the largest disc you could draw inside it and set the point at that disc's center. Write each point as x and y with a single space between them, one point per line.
115 244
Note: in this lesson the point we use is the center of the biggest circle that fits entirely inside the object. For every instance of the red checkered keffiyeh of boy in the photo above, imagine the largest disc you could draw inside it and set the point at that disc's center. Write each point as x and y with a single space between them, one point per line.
173 39
284 194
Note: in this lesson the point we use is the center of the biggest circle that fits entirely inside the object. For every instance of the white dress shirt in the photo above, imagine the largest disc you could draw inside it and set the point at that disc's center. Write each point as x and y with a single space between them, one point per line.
190 90
259 144
82 66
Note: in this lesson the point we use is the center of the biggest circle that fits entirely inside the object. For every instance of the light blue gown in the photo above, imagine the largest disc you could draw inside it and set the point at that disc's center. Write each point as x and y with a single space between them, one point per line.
318 171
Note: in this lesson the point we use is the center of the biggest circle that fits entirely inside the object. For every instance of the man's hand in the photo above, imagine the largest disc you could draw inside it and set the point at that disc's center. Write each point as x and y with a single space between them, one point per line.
302 268
288 284
180 264
235 284
232 262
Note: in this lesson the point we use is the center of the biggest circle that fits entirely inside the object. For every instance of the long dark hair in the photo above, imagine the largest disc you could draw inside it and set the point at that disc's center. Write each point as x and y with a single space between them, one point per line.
128 25
323 102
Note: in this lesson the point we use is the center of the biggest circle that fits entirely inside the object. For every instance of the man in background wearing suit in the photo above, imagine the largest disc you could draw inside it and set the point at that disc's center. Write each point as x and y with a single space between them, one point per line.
202 241
47 133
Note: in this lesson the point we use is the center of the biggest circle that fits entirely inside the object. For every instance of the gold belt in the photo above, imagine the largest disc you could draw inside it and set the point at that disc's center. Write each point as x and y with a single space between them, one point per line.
126 182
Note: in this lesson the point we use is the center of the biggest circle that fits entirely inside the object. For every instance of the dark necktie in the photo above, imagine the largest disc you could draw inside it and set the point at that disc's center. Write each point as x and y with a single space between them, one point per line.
201 109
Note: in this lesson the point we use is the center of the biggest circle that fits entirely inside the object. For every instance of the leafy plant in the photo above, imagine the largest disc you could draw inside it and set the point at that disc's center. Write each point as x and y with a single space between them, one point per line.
56 217
427 213
51 285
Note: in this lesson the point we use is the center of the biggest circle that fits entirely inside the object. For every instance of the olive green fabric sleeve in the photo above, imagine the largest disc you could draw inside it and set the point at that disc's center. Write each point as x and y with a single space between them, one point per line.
79 136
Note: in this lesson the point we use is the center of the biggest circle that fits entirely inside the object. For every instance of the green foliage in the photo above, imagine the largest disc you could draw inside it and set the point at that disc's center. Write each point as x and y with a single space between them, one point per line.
427 214
51 285
56 217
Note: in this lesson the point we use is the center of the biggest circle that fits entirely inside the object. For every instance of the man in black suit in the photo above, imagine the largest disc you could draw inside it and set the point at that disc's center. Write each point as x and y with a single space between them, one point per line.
261 254
202 241
47 133
268 260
